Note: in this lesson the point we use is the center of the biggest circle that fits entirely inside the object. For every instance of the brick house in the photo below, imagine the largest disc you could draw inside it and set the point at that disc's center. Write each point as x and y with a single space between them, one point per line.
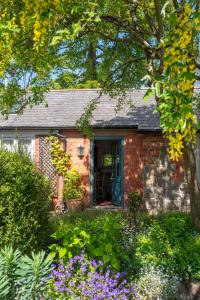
126 153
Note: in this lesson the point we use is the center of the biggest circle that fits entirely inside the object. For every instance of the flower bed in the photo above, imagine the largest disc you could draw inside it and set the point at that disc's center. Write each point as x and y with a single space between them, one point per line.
81 278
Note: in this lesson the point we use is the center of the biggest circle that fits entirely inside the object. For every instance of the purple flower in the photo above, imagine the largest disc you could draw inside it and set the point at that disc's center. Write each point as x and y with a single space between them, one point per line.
83 269
83 278
100 263
58 283
93 263
62 289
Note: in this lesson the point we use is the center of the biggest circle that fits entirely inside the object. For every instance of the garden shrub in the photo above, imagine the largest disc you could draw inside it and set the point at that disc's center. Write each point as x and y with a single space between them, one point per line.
134 206
171 242
81 278
99 234
23 277
24 203
154 284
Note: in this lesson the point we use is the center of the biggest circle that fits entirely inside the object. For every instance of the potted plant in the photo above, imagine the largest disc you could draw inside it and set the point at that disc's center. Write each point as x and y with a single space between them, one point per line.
72 191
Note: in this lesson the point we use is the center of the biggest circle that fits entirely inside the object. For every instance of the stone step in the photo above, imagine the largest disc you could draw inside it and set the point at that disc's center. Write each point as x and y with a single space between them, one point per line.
106 208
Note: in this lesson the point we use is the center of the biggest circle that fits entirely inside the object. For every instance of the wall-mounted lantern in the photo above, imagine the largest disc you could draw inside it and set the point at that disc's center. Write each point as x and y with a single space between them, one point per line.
80 151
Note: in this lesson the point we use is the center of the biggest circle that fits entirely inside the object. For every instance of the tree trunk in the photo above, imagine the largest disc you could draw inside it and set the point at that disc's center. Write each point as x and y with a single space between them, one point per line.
193 186
91 63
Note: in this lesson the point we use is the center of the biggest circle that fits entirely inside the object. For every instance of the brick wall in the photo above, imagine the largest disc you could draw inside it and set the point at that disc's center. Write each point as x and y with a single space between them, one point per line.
164 187
146 168
75 139
133 157
36 151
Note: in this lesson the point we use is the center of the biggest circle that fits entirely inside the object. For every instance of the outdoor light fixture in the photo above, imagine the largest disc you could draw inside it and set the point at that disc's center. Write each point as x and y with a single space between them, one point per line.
80 151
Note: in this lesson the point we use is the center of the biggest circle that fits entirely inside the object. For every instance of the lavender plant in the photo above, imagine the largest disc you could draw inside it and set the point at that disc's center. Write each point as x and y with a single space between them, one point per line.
84 279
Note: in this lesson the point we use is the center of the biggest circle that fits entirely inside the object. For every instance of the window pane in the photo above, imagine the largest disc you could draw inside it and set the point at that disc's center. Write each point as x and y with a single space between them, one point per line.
107 160
25 146
8 144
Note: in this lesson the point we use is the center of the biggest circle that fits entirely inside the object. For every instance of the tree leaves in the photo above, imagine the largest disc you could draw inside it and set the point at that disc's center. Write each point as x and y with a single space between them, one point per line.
149 93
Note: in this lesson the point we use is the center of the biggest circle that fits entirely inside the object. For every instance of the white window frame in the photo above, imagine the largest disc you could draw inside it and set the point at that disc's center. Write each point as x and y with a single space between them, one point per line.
16 140
32 144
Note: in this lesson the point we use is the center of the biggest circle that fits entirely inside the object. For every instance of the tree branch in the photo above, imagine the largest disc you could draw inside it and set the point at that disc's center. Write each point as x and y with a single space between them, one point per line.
150 21
137 38
126 25
159 18
197 77
176 5
108 37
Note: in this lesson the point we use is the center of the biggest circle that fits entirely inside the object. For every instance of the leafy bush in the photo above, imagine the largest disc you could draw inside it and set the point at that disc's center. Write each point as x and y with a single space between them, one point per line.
81 278
24 203
171 242
134 206
155 284
134 202
72 188
23 277
100 234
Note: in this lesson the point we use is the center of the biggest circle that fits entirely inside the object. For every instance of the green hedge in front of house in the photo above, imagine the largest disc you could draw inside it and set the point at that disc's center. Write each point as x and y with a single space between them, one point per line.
24 203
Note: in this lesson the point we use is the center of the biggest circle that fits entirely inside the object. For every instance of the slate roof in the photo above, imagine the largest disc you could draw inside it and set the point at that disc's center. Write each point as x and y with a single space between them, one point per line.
66 106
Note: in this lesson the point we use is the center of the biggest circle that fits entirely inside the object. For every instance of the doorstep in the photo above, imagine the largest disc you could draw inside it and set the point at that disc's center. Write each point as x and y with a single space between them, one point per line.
107 208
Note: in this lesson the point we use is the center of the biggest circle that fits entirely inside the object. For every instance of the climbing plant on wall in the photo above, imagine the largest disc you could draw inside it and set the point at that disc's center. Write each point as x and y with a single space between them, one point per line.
62 162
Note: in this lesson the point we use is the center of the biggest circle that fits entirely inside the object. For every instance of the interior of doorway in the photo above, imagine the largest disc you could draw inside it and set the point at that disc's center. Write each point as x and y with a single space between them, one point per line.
103 169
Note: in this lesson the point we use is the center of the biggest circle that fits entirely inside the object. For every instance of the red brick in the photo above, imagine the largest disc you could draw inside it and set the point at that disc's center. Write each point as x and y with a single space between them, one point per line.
138 149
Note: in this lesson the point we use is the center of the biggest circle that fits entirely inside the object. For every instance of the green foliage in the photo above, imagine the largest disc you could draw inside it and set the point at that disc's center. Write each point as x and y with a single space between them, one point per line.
24 203
41 40
169 241
72 188
33 273
99 234
134 206
60 159
22 277
62 162
9 260
69 80
155 283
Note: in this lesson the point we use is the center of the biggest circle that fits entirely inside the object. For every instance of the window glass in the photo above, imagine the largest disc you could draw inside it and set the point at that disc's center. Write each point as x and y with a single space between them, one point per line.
107 160
25 146
8 144
22 145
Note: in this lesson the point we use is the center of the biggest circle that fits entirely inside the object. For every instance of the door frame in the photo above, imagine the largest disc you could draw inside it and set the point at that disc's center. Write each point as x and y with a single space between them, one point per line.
106 138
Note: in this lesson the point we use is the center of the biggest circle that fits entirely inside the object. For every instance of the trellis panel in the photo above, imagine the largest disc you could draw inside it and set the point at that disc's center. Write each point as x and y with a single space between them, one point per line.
45 163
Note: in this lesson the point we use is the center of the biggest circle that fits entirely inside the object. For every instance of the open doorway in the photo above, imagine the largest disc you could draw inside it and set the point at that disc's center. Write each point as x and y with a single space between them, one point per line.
107 168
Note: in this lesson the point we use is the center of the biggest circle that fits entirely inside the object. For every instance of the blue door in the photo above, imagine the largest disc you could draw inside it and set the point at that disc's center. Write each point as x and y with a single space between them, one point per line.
116 179
116 173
